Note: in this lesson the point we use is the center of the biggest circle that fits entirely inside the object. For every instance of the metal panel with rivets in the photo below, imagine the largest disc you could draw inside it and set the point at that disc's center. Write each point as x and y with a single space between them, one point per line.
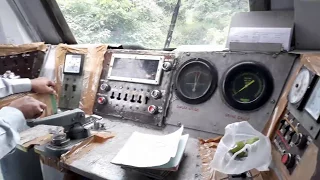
140 100
214 115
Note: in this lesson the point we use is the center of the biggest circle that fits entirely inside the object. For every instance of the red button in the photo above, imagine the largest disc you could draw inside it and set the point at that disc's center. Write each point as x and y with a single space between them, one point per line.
284 158
150 108
101 100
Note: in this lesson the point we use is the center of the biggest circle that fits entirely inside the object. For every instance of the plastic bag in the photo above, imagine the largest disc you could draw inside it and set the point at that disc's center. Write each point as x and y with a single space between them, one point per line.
258 153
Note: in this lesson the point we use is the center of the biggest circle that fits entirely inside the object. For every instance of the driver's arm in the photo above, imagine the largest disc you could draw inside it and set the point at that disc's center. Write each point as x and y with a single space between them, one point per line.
13 86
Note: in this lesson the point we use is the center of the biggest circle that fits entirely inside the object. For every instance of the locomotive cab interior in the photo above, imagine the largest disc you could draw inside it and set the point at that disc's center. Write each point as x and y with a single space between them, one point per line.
149 68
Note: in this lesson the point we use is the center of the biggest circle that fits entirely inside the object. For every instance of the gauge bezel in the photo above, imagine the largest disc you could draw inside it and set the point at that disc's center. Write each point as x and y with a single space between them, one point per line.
207 95
247 66
293 85
312 82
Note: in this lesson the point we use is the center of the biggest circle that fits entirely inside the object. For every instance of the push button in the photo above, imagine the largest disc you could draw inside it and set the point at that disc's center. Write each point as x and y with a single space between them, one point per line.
101 100
152 109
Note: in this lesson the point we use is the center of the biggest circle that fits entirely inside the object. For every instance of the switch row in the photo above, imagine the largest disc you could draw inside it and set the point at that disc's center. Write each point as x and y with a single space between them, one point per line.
152 109
132 98
298 139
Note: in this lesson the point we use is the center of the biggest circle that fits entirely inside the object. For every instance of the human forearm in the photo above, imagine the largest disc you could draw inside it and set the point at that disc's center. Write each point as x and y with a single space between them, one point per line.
11 122
12 86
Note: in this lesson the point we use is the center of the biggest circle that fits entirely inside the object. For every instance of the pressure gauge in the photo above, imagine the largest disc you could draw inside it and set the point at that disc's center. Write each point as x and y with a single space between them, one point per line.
246 86
313 104
73 64
301 88
196 81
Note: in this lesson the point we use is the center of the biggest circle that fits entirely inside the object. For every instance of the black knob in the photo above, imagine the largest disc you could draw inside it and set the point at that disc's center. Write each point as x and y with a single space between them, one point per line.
288 160
285 130
290 136
282 122
300 140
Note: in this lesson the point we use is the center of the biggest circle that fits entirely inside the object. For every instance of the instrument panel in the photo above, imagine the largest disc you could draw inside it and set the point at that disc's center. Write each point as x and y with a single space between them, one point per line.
204 91
135 85
226 87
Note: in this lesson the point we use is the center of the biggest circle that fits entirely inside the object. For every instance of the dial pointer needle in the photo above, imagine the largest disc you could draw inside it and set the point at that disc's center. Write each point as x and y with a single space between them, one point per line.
244 87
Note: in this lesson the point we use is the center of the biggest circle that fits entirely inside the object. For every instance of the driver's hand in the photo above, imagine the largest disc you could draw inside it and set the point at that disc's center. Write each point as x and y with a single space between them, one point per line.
42 85
30 107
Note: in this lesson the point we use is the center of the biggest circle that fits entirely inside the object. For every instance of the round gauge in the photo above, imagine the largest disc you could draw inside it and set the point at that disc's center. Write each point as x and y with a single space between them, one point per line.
247 86
196 81
299 87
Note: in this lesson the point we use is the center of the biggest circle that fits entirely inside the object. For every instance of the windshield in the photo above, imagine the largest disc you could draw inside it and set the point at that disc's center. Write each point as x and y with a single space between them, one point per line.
147 22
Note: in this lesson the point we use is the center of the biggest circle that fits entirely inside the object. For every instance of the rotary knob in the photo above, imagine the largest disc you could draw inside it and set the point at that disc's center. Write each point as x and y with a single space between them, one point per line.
300 140
288 160
105 87
167 66
152 109
156 94
101 100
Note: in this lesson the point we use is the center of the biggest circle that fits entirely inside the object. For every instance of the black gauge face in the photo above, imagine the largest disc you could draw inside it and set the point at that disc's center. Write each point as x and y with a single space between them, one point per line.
247 86
196 81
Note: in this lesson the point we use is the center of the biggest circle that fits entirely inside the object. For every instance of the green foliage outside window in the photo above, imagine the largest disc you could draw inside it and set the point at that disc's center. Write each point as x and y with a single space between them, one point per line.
146 22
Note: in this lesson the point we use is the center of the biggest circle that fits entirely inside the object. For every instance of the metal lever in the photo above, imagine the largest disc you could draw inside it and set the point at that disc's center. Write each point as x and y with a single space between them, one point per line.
65 119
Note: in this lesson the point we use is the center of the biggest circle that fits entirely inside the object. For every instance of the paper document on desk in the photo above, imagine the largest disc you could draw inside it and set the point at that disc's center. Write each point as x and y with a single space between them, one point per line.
261 35
146 150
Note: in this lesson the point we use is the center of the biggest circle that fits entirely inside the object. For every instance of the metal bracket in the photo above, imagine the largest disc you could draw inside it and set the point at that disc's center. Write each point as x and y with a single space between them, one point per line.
256 47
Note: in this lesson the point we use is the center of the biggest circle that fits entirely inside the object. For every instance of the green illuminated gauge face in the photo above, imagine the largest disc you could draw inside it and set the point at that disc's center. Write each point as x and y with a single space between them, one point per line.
247 87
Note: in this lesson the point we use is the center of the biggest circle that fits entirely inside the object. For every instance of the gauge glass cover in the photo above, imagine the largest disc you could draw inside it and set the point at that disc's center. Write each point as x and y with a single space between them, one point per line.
299 87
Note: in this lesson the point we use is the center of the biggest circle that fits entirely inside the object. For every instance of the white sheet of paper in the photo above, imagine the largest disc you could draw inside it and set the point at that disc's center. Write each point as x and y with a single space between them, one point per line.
261 35
146 150
174 162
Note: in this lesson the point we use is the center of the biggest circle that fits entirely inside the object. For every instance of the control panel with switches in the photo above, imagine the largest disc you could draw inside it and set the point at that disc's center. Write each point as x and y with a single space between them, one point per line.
291 140
72 81
135 86
296 138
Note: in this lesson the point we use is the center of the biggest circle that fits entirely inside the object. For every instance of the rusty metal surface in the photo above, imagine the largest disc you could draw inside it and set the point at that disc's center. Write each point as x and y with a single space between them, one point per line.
96 163
26 65
119 101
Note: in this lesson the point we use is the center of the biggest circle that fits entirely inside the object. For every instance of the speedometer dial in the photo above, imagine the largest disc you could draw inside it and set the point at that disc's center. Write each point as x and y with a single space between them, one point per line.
300 86
247 86
196 81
